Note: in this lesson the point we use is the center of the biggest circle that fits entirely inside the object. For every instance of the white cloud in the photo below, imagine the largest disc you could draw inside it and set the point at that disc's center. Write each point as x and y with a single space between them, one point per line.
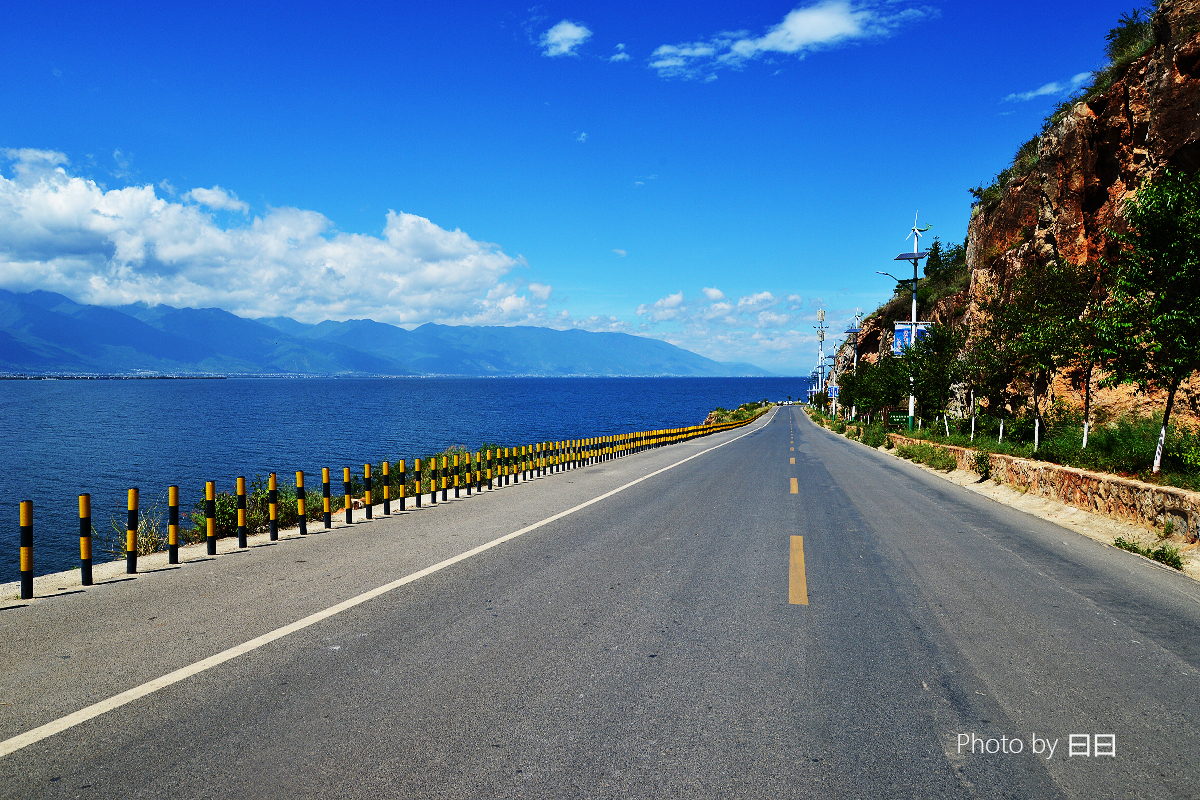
564 38
824 24
29 162
1052 88
769 319
540 290
620 252
713 294
620 55
216 198
581 137
665 308
755 299
62 233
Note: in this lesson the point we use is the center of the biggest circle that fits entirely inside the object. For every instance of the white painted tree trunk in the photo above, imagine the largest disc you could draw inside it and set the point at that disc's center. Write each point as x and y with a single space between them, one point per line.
972 415
1162 439
1085 433
1162 435
1001 439
1036 430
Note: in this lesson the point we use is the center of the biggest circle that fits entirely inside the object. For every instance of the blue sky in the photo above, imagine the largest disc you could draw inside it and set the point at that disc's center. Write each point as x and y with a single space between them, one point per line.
706 173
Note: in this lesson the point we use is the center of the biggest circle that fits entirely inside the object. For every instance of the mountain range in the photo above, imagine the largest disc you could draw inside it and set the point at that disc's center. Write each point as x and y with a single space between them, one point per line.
43 333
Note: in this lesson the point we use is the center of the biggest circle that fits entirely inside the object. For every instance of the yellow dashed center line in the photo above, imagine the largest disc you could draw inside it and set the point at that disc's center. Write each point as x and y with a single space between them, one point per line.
797 584
793 459
795 488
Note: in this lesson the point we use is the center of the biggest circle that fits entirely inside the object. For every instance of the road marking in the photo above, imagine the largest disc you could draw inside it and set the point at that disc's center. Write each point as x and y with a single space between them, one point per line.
793 459
793 449
797 585
96 709
795 488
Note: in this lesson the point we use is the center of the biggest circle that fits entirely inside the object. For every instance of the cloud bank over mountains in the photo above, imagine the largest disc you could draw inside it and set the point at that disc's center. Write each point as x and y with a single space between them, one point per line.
65 234
205 248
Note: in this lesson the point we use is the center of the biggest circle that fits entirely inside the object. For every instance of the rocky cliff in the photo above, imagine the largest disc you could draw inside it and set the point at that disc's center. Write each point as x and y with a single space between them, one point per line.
1087 163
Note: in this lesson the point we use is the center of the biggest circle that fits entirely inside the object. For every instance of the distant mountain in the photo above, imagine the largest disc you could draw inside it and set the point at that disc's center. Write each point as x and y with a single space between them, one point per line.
47 333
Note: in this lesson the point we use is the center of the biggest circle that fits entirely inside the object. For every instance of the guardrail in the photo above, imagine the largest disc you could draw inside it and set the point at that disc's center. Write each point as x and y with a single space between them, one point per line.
496 468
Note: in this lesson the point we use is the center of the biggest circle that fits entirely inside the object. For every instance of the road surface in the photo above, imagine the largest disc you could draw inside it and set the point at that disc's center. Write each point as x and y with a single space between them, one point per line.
772 612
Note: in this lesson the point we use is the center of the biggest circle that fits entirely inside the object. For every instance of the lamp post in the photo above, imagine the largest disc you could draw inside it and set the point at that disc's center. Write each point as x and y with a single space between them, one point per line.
855 330
915 256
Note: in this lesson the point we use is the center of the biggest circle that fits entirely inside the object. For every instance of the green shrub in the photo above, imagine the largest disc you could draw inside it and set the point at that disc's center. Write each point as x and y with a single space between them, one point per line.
943 459
982 463
839 426
918 453
1164 554
874 435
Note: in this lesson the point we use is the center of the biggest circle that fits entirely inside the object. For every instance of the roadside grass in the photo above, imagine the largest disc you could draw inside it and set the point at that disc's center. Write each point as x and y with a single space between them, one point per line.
1123 446
925 453
1164 554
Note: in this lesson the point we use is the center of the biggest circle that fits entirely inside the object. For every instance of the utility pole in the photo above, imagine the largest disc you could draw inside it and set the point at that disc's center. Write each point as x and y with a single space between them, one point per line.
820 326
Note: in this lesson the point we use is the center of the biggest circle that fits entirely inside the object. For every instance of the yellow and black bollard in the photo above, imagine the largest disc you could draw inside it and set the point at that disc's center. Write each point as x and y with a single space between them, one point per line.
445 476
131 532
433 480
367 488
26 549
326 505
273 507
241 511
468 474
301 511
172 525
417 481
488 468
346 493
456 471
403 484
210 516
387 491
85 539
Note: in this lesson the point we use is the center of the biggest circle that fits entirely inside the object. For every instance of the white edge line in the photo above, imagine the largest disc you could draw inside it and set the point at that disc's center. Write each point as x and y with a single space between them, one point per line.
116 701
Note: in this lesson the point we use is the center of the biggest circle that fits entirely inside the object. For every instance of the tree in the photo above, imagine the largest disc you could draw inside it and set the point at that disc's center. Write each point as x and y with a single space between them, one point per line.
992 361
935 364
1133 32
1151 331
873 387
1046 311
1081 335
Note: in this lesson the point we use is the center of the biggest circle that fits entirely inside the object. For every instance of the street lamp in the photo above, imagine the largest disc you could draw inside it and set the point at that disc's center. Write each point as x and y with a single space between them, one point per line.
915 256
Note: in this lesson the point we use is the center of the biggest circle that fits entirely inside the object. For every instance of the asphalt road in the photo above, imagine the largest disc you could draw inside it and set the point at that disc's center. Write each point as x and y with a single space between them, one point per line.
651 644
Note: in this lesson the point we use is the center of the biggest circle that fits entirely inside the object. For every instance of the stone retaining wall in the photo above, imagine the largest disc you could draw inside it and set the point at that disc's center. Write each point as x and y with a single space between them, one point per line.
1120 498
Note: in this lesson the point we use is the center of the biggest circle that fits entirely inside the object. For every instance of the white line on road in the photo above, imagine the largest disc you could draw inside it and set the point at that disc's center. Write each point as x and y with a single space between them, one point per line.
84 714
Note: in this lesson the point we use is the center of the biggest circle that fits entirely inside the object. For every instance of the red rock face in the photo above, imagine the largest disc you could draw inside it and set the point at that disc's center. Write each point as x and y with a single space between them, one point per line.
1089 163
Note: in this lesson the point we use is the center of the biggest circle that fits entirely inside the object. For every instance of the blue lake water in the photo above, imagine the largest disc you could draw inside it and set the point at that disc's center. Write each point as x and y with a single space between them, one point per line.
63 438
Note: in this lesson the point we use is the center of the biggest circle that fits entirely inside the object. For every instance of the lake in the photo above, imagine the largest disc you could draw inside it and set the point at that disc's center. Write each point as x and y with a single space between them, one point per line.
66 437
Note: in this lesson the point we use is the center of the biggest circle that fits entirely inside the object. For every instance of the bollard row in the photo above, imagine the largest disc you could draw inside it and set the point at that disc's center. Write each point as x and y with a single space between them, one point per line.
465 473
